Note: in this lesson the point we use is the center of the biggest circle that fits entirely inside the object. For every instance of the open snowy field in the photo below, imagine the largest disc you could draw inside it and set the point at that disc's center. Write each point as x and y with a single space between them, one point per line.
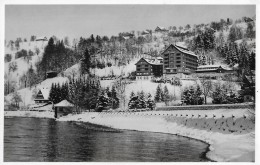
230 132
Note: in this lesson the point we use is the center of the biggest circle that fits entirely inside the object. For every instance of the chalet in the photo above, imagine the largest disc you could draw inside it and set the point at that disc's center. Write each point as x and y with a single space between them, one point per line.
159 29
42 96
212 69
51 74
178 62
148 68
41 39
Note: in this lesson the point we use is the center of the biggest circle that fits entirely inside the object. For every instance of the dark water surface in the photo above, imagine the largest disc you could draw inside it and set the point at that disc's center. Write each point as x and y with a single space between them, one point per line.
35 140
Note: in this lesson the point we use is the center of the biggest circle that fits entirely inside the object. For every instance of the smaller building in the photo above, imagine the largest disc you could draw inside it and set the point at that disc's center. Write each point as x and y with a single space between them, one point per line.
51 74
41 39
212 69
42 96
63 108
159 29
146 69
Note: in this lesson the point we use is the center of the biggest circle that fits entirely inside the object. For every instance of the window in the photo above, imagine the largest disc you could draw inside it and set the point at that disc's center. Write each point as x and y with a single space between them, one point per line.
178 58
178 61
146 68
138 66
178 65
138 69
146 65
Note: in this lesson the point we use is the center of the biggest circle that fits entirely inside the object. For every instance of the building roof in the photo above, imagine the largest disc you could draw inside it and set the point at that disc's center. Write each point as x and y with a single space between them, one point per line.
145 32
64 103
181 49
161 28
152 61
45 92
213 67
41 38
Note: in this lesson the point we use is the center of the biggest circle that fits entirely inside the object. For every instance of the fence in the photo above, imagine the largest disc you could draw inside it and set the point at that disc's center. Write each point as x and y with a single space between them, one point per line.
205 107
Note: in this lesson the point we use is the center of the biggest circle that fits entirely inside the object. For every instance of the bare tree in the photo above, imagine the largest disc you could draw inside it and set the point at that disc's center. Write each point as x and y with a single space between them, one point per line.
16 99
120 85
206 85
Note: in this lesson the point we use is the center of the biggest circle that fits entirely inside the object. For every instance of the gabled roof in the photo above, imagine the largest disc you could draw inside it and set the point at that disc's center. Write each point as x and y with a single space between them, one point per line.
64 103
161 28
181 49
212 67
43 94
152 61
208 66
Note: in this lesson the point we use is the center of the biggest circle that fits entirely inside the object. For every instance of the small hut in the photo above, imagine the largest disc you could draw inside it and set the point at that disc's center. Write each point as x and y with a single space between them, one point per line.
51 74
63 108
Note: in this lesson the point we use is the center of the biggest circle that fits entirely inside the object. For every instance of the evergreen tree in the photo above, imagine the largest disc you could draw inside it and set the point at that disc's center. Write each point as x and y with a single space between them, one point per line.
108 92
252 61
52 93
250 33
192 96
158 94
133 102
86 62
132 94
103 102
166 95
150 103
142 102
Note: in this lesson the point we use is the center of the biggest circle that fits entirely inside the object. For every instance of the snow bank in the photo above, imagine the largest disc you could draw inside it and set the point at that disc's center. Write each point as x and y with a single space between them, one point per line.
230 138
46 114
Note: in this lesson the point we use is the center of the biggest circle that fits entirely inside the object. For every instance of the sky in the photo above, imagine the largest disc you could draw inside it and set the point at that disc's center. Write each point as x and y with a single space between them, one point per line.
83 20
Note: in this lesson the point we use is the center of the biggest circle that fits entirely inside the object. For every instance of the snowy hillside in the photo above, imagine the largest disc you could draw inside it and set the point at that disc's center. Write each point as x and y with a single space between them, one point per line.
27 93
23 64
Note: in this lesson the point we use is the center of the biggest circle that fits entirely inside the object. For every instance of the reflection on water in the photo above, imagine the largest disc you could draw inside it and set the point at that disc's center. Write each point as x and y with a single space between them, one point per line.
32 139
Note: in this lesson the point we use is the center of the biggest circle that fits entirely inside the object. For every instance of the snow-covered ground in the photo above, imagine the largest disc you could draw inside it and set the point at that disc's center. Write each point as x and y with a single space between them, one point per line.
27 93
46 114
230 138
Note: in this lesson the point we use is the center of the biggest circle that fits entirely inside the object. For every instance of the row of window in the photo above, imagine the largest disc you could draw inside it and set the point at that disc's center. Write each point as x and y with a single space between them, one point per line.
191 64
143 77
142 74
143 69
142 66
191 60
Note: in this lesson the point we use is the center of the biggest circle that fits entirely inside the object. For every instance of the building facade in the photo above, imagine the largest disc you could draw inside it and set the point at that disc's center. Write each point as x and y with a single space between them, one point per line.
148 68
42 96
178 62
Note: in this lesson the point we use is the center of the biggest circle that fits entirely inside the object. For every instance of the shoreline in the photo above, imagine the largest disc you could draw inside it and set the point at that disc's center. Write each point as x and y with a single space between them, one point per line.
222 147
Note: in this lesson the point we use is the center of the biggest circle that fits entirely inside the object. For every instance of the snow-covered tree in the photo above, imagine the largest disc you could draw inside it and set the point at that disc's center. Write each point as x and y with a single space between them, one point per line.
158 94
166 95
150 103
141 101
103 102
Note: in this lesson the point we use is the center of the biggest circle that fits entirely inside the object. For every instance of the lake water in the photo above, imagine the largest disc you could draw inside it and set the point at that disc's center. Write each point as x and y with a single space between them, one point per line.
37 140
